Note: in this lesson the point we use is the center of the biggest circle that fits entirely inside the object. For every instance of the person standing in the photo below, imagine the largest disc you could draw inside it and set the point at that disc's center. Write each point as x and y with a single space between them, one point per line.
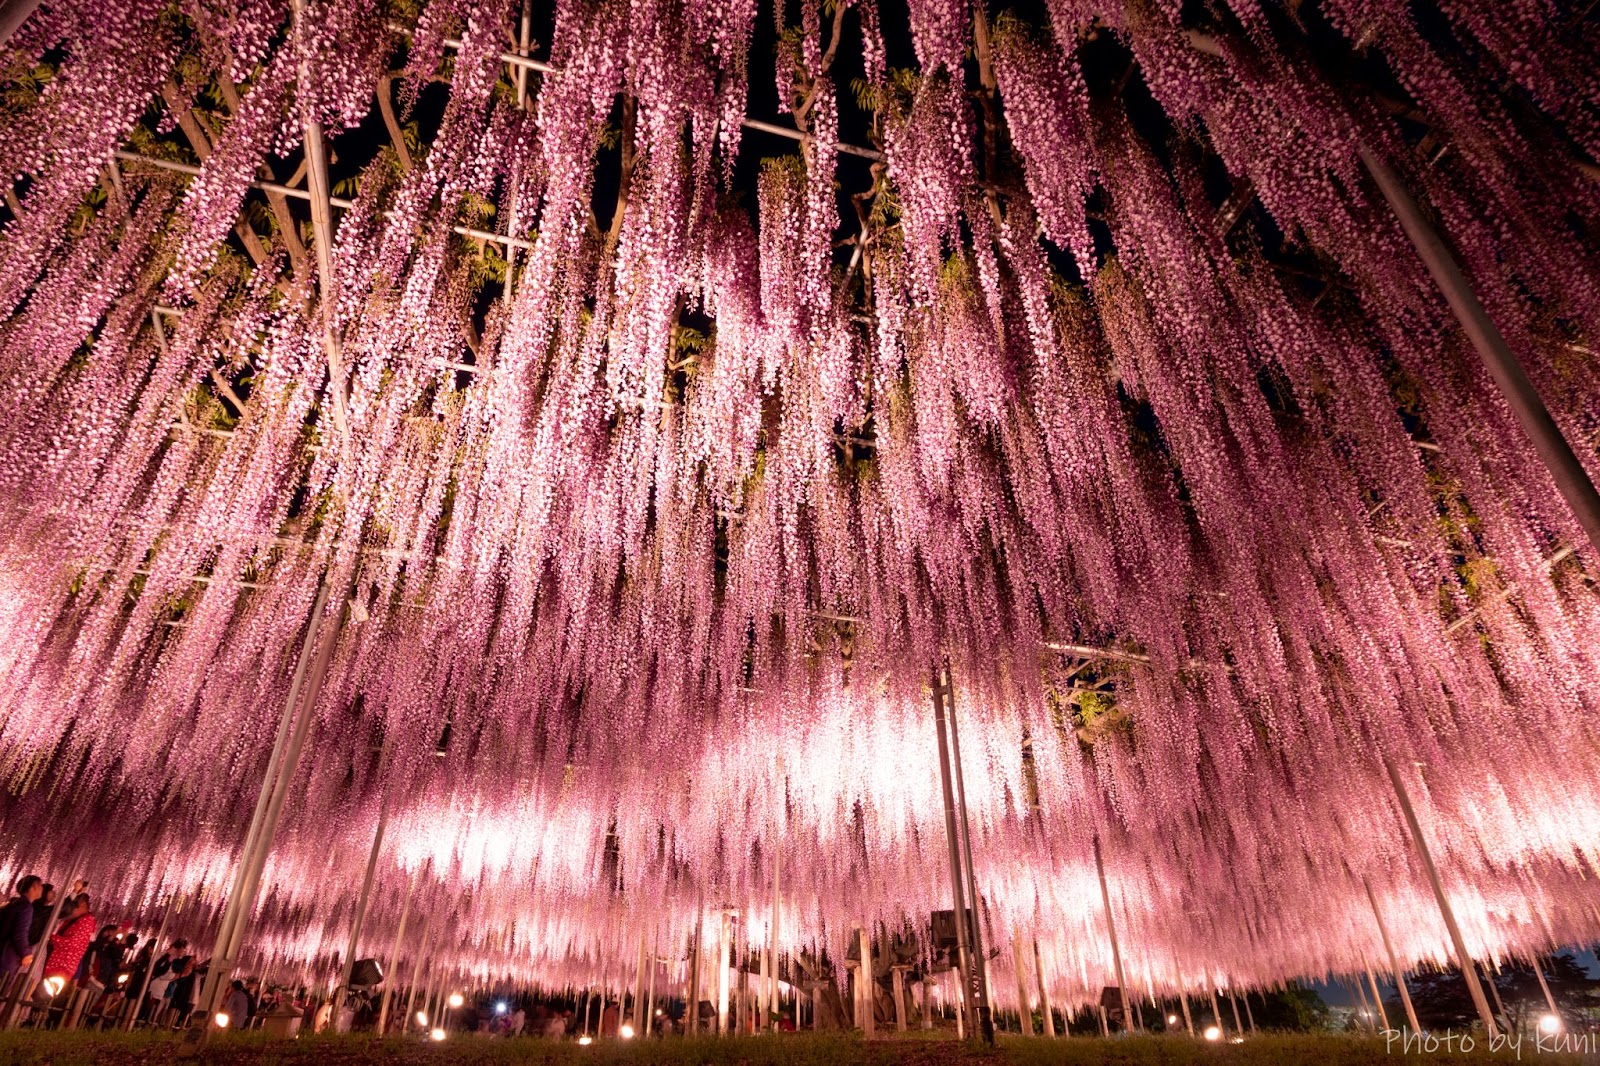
41 915
68 945
16 927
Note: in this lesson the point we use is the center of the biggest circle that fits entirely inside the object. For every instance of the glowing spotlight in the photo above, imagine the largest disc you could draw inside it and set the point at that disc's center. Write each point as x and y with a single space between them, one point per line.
626 1032
455 1000
585 1040
54 985
658 1012
221 1019
437 1034
1213 1033
422 1018
1549 1024
1172 1019
122 978
500 1008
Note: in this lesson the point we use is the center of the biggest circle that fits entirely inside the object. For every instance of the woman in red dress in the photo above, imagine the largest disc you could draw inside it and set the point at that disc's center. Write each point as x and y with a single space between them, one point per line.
71 940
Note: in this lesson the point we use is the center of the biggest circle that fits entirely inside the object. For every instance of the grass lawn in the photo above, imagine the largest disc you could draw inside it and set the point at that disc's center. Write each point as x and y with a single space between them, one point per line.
249 1049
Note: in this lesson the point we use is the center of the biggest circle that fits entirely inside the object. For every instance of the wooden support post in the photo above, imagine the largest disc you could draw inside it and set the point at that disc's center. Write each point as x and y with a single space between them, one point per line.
927 1014
1216 1008
650 1003
1024 1011
1469 973
424 948
1188 1019
13 13
1233 1001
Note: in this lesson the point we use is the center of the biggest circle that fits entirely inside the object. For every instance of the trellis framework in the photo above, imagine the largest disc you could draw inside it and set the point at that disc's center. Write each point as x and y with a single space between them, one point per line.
713 485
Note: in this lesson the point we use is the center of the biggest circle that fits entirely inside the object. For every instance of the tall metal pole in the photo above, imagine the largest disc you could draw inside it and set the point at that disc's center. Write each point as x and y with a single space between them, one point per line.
149 971
224 959
1572 481
979 966
1111 930
638 989
694 970
953 837
269 780
1468 971
1544 986
389 976
655 962
361 906
1394 961
424 947
1044 992
13 13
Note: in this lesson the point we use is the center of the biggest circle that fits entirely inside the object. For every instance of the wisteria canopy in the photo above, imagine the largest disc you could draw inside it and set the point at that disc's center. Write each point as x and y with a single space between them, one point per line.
659 392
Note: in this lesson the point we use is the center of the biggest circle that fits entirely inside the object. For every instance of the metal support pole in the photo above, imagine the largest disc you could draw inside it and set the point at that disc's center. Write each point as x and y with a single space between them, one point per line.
1111 930
980 966
638 989
1468 972
1188 1019
953 837
361 909
866 990
425 948
1544 986
723 990
149 971
1044 992
389 972
694 972
1394 961
230 912
1377 998
650 1006
13 13
1571 480
1024 1013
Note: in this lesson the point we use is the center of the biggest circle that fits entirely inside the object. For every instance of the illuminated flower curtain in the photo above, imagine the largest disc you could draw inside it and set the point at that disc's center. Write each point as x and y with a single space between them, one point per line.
638 451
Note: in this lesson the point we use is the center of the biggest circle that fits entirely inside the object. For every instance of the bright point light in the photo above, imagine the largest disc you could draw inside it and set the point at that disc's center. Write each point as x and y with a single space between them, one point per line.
658 1012
122 978
1172 1019
1213 1033
500 1008
422 1018
585 1040
437 1034
456 999
53 985
626 1032
1549 1024
221 1019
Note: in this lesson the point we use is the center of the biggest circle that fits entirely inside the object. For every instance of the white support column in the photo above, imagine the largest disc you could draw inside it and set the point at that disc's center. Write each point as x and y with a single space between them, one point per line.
1024 1009
1570 478
1044 993
389 972
1111 930
898 979
1394 961
361 911
1468 971
723 950
864 985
